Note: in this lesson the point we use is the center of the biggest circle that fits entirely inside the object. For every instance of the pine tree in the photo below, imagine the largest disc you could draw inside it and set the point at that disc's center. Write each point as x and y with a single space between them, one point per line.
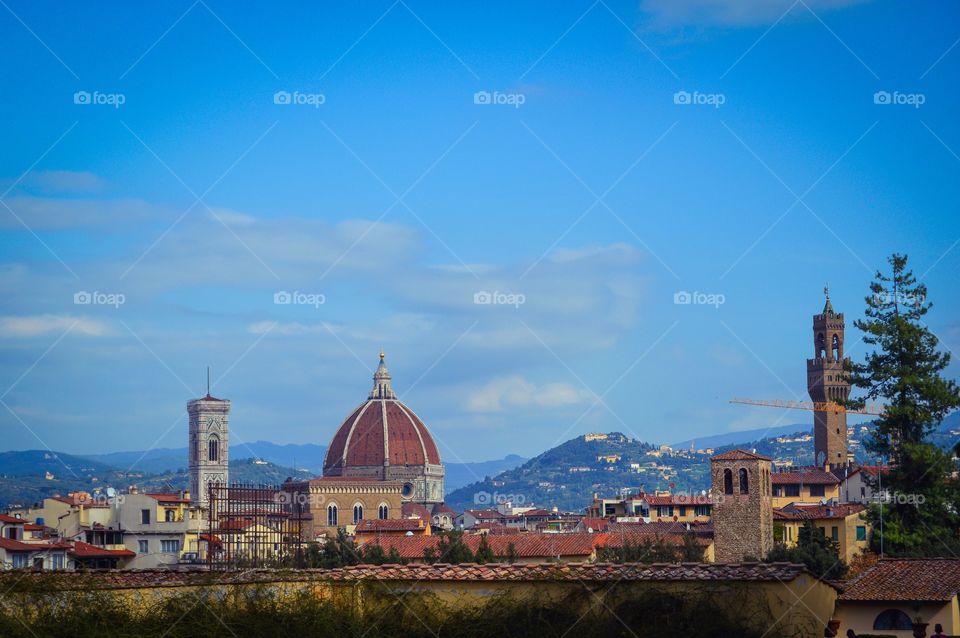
904 372
484 553
820 554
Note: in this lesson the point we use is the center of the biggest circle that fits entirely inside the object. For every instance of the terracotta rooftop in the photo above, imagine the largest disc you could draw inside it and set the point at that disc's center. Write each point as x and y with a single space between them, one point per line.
6 518
679 499
906 579
568 572
806 476
739 455
373 525
85 550
169 498
813 512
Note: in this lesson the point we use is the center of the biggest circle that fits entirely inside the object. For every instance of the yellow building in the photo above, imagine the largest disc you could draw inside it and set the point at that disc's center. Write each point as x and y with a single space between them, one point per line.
894 594
804 485
844 523
681 508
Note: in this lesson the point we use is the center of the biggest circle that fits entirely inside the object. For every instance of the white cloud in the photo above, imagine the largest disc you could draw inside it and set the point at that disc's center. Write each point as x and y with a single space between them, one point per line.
732 12
65 181
35 325
515 391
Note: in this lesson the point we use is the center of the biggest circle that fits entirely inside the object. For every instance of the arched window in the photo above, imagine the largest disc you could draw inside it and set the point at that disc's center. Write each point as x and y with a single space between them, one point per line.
727 482
892 619
213 448
837 351
744 481
821 346
331 515
168 516
383 512
357 513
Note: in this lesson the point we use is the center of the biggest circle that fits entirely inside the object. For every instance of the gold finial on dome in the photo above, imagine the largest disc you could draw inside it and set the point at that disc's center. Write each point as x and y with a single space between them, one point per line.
381 354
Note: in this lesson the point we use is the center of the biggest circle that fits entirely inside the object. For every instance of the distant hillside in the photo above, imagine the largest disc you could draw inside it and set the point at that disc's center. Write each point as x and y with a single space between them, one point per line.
307 456
742 436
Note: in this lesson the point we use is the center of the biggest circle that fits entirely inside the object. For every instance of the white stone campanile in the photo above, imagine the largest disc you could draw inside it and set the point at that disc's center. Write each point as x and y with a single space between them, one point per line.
209 445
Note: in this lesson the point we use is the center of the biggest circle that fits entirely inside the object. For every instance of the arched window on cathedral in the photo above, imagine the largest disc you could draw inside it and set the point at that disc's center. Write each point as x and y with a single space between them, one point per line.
357 513
213 448
727 482
744 481
383 512
331 515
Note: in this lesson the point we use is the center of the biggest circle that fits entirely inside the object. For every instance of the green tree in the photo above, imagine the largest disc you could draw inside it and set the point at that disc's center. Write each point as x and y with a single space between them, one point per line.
904 371
484 553
649 550
452 549
820 554
512 555
691 551
373 554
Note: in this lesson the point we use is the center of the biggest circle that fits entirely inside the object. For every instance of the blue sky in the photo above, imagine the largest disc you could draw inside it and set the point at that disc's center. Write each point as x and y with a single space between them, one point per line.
630 151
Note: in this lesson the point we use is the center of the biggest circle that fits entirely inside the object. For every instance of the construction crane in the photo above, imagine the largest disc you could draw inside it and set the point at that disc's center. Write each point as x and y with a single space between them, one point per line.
816 406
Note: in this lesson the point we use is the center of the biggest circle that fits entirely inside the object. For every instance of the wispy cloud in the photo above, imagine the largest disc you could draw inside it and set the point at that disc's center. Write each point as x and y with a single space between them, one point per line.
13 327
516 391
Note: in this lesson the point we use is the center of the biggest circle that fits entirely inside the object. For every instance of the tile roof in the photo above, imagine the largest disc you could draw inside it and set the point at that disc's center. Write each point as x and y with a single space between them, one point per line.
739 455
806 476
6 518
11 545
553 572
525 545
168 498
417 510
906 579
815 512
373 525
596 524
679 499
85 550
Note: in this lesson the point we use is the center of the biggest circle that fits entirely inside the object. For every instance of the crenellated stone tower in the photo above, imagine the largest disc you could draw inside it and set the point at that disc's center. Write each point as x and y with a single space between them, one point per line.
827 383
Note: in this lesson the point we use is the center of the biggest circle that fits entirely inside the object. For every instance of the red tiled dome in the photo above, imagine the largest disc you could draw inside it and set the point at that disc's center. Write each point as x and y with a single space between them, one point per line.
381 432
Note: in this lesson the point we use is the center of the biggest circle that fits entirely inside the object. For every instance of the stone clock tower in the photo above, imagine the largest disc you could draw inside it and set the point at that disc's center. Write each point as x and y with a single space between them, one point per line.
828 386
209 445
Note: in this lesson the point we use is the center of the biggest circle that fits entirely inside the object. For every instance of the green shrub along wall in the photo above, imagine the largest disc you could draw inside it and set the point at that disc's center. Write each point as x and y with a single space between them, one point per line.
374 609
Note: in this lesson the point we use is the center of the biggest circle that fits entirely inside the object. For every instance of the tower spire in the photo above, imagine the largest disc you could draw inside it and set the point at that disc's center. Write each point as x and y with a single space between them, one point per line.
827 307
381 382
208 380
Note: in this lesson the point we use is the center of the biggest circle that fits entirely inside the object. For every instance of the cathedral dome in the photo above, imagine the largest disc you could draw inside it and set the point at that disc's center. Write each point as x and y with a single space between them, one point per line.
382 435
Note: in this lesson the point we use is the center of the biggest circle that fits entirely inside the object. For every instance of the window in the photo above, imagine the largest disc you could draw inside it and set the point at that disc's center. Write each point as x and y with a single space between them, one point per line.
19 560
12 533
834 533
683 510
57 561
727 482
170 546
791 490
861 532
169 516
744 481
892 619
331 515
143 547
38 562
383 512
701 510
213 449
817 490
145 517
357 513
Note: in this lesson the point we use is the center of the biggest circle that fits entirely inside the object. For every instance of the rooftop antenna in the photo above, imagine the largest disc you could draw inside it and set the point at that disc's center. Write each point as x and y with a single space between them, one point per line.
208 380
